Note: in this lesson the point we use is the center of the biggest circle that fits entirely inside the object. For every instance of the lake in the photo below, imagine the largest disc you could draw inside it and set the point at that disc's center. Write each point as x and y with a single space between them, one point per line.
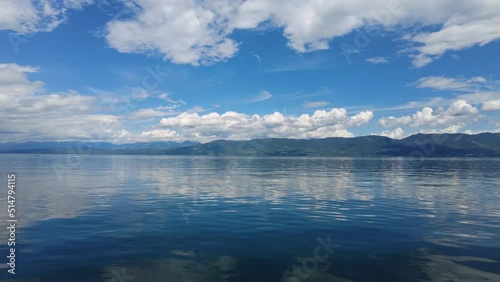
162 218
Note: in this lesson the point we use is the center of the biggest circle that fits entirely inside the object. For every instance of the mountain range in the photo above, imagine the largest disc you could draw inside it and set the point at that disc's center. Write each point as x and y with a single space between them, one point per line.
77 147
419 145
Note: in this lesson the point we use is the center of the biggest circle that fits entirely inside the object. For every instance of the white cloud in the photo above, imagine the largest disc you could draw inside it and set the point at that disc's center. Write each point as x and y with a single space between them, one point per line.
493 105
238 126
480 97
461 108
378 60
162 134
262 96
450 129
393 121
397 133
446 83
166 96
199 32
360 119
14 81
458 114
185 32
458 33
319 104
28 16
193 32
440 83
149 113
474 90
432 102
28 113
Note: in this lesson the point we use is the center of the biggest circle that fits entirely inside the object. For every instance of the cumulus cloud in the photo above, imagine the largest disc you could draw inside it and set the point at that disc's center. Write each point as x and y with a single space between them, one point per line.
28 16
378 60
458 114
240 126
199 32
28 113
493 105
185 32
461 108
397 133
194 32
393 121
160 134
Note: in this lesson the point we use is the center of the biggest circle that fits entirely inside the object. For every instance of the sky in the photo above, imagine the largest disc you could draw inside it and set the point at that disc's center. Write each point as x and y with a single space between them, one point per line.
175 70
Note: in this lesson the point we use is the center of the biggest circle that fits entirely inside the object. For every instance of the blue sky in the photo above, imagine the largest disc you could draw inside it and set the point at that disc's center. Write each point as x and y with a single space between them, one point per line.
153 70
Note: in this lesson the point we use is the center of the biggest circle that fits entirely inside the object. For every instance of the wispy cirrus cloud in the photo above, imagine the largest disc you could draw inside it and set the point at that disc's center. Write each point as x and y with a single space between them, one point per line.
378 60
458 33
474 90
166 96
319 104
323 91
309 64
262 96
149 113
36 16
442 83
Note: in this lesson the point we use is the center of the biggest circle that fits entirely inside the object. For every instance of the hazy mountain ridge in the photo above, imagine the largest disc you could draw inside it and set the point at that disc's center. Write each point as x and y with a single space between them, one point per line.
442 145
78 147
419 145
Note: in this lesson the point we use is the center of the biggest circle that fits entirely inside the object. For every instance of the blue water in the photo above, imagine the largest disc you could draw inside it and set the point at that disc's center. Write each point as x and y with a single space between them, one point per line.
158 218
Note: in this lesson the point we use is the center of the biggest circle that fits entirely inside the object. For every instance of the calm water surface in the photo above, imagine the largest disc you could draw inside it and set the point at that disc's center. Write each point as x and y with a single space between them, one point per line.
142 218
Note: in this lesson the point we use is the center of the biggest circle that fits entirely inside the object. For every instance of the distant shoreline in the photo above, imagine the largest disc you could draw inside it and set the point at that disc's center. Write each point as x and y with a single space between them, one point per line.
484 145
257 157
